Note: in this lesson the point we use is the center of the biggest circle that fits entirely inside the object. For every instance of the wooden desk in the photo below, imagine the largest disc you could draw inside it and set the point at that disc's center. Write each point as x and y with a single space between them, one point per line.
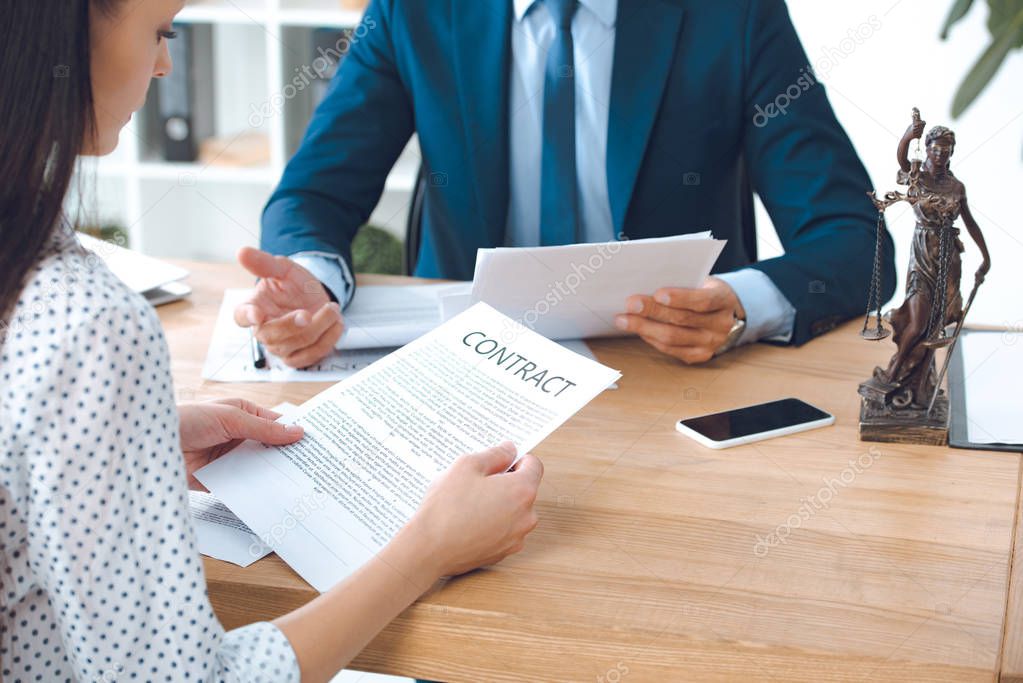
646 564
1012 651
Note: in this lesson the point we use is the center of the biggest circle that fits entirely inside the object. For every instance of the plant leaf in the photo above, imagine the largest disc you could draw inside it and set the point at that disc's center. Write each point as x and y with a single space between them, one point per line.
958 11
986 67
1000 13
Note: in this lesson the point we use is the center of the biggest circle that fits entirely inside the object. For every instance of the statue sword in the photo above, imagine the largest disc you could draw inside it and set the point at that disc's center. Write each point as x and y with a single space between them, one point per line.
951 347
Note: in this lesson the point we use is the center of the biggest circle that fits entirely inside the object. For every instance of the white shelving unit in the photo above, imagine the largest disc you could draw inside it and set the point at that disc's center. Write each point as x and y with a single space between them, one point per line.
205 210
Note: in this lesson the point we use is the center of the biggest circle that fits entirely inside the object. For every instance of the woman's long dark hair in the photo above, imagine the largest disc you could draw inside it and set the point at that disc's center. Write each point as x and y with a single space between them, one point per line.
46 115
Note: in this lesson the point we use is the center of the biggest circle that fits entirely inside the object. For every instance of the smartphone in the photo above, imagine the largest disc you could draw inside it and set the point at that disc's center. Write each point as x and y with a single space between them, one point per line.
754 423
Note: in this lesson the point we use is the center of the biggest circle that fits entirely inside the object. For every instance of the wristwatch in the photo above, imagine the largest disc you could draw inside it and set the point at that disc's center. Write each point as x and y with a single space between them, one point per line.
738 327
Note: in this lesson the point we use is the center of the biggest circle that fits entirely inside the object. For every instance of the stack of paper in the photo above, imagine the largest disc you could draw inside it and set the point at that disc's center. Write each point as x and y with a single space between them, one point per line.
381 316
575 291
374 442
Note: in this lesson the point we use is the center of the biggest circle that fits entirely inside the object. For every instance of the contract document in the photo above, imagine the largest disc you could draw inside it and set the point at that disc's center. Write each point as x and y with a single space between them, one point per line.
375 441
574 291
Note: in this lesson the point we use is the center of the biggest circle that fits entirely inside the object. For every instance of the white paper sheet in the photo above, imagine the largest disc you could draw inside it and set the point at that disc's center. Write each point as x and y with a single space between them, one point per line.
382 316
229 358
375 441
992 364
575 291
219 532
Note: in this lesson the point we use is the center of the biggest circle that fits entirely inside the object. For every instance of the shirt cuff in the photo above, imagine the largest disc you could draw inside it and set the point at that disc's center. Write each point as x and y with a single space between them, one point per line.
259 653
769 315
331 270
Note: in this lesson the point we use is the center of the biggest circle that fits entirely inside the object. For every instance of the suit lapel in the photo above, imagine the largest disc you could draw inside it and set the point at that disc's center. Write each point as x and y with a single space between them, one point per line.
646 33
482 46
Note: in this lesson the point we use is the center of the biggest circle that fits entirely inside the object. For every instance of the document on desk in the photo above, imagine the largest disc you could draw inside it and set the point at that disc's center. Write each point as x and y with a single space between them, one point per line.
575 291
218 531
374 442
381 316
229 358
378 319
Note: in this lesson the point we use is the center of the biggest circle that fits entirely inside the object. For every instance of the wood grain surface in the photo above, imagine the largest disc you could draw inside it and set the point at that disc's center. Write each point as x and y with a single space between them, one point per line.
813 557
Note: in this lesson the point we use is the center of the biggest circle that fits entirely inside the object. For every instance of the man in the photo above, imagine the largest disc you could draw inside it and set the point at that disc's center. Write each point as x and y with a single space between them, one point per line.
555 121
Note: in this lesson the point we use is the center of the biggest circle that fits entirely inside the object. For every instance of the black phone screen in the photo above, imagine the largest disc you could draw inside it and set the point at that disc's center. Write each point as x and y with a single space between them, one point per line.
734 424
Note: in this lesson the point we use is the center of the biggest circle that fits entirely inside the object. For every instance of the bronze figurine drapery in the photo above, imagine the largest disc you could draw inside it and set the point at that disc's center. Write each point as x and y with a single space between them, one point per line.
904 401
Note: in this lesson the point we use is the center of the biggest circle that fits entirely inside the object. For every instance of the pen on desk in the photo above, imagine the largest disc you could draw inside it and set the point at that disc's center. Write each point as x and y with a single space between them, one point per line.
258 355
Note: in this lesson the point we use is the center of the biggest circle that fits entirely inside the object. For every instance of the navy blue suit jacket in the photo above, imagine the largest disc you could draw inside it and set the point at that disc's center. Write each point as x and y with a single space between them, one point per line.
688 142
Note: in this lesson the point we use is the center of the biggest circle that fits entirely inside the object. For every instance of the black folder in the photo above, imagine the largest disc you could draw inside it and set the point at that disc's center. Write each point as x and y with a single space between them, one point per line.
185 96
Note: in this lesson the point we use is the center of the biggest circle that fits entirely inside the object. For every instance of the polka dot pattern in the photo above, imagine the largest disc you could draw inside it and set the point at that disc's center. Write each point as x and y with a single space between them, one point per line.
100 579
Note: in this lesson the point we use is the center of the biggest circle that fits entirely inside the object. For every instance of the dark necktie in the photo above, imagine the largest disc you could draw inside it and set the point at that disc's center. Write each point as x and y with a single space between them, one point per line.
559 210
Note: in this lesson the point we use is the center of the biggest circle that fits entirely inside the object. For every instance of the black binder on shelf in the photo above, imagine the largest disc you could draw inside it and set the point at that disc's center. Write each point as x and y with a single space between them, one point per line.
312 62
958 432
185 96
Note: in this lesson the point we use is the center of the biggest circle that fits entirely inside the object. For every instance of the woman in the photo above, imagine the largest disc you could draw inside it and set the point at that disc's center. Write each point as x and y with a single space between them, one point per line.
933 299
100 575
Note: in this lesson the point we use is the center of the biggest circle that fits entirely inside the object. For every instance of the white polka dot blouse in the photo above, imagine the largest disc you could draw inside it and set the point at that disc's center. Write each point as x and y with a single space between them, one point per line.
100 579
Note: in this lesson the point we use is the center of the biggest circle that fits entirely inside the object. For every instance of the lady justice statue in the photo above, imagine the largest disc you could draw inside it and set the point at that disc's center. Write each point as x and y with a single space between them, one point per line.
904 402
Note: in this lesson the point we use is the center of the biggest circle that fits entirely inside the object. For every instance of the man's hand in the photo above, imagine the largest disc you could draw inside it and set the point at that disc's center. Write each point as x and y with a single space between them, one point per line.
293 316
689 324
211 429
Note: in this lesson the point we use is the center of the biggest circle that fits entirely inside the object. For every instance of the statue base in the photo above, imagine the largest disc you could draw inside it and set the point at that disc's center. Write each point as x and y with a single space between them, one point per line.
888 424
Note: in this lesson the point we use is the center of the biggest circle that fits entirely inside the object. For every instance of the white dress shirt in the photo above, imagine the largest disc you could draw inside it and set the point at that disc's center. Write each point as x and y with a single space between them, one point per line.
768 313
593 38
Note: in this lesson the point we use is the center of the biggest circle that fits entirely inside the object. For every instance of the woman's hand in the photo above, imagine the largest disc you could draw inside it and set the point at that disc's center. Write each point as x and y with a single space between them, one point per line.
477 513
211 429
474 514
